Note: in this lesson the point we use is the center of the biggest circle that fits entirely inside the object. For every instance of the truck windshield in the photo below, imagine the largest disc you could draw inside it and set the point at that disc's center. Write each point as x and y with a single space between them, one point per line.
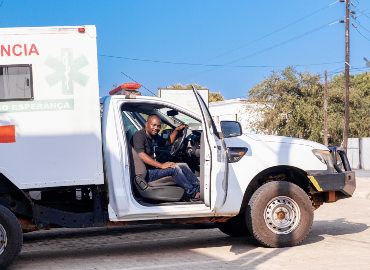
179 118
135 116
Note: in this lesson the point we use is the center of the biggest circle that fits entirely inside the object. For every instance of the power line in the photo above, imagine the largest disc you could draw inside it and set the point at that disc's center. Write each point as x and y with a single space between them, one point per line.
364 14
362 34
242 46
271 32
333 72
261 51
215 65
362 26
361 12
137 82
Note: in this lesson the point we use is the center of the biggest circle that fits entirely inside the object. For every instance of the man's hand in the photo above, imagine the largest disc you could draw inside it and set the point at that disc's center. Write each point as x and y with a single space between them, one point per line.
168 165
173 136
181 127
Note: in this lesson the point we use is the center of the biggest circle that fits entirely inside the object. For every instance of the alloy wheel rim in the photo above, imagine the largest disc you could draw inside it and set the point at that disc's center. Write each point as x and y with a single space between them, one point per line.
3 239
282 215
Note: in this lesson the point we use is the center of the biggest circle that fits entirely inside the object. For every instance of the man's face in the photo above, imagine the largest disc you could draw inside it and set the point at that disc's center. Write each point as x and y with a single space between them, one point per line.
153 125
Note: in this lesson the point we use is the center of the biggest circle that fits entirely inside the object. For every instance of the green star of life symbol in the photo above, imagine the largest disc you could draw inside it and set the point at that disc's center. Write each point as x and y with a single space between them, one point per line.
67 70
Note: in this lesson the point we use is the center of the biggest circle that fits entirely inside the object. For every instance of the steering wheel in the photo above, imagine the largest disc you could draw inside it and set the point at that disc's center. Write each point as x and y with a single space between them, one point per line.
178 144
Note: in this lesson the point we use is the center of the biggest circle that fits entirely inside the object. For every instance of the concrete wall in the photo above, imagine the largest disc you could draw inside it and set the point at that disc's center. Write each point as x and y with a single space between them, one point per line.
358 152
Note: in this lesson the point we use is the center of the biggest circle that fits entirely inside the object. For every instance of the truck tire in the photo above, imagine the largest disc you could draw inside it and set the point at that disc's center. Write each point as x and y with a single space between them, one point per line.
234 227
279 214
11 237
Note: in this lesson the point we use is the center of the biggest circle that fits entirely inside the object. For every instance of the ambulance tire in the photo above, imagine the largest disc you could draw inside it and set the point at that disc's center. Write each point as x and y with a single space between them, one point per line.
11 237
279 214
234 227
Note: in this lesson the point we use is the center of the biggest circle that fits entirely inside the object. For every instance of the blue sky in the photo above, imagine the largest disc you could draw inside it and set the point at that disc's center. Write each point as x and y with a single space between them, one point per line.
193 32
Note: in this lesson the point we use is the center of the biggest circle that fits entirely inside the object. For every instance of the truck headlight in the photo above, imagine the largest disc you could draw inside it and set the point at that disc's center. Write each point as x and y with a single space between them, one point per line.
324 156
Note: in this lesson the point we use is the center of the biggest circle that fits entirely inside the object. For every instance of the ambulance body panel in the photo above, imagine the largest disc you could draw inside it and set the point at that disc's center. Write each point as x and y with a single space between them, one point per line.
57 131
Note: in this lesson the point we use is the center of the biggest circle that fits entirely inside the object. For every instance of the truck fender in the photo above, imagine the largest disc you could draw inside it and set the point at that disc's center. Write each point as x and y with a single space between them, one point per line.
277 173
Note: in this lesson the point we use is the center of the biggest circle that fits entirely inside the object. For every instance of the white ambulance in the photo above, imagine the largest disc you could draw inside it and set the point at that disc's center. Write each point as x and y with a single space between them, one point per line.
67 161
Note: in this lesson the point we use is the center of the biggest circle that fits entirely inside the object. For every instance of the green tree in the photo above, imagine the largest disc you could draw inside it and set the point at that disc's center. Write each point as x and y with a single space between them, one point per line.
359 116
212 97
293 105
188 86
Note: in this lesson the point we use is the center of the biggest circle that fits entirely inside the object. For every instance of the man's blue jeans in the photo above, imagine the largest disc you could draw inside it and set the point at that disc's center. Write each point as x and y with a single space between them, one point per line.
184 177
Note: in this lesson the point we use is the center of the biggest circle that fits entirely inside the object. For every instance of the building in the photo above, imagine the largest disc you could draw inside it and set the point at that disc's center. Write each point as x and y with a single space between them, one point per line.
185 97
238 109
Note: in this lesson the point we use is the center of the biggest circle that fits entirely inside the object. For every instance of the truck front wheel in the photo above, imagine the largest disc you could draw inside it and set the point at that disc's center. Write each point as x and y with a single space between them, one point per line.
279 214
11 238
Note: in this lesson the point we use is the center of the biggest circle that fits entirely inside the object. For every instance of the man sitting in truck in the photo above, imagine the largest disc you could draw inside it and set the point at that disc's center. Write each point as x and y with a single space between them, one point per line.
146 141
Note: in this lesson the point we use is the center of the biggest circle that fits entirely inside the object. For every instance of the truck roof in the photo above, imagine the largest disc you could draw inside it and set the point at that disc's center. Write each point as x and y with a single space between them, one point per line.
115 97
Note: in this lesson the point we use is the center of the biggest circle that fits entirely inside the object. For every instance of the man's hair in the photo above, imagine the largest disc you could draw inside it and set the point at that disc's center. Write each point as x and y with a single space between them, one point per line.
151 116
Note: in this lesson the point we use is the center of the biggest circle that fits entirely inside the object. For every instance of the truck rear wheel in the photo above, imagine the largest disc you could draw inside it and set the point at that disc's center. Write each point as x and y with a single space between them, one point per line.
11 237
279 214
235 227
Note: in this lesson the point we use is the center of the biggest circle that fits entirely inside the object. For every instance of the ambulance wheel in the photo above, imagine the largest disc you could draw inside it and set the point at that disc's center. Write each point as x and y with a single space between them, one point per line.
11 237
234 227
279 214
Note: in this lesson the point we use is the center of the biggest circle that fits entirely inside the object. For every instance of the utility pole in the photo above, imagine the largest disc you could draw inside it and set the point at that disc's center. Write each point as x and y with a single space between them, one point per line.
346 77
326 109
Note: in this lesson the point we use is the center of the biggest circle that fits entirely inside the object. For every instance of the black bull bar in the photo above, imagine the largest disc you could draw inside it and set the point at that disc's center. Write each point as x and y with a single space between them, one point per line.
343 181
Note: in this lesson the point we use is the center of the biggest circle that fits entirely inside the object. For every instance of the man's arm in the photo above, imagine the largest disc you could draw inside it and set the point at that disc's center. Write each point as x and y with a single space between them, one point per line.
148 160
173 136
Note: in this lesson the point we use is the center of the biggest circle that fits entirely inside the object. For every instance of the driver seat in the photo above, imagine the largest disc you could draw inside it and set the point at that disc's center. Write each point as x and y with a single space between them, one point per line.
163 189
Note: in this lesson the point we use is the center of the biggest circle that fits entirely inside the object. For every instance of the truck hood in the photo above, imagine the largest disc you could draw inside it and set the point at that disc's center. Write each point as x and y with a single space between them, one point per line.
281 139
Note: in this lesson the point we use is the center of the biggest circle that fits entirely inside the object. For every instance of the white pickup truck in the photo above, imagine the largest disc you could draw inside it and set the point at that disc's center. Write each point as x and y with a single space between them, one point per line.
68 162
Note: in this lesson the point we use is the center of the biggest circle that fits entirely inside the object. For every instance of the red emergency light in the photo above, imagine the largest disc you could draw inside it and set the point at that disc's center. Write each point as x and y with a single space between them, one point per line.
81 30
126 86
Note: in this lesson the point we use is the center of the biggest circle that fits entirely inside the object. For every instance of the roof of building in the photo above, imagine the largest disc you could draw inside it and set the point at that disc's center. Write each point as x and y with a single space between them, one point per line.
227 102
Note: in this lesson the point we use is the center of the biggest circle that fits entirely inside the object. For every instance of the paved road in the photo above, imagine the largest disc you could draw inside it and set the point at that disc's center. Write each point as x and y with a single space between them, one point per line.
339 239
362 173
362 185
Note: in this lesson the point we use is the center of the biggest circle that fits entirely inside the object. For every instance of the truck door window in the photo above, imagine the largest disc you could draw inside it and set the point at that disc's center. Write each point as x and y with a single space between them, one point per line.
209 121
16 82
130 128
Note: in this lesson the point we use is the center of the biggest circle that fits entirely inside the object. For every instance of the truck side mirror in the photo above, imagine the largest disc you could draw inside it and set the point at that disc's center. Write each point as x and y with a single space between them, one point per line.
231 128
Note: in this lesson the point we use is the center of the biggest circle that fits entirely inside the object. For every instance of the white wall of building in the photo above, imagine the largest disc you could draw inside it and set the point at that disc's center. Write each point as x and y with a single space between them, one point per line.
235 110
358 153
184 97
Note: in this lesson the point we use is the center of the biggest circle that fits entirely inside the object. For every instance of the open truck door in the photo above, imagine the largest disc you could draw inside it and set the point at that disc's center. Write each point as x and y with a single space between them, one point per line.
213 165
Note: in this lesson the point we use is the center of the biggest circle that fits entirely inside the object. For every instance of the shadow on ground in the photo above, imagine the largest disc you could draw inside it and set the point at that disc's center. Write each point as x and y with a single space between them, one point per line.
333 228
243 249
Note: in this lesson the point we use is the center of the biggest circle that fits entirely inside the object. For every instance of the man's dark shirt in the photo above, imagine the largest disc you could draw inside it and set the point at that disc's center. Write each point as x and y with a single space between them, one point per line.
143 144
